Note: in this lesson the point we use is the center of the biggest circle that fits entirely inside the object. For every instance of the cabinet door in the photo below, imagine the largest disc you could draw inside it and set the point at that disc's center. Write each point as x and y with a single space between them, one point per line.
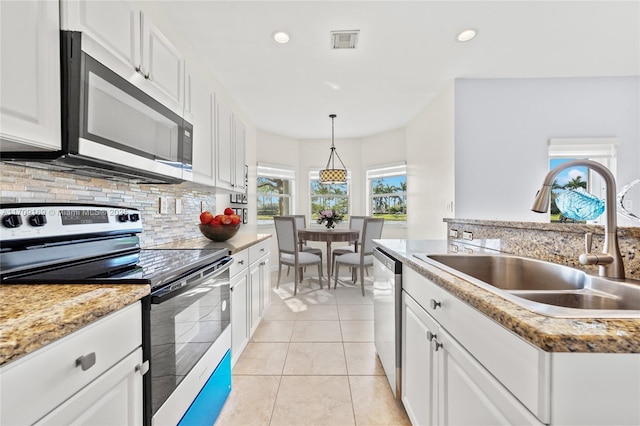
266 283
224 128
29 76
239 314
469 395
163 65
200 105
114 398
255 272
419 372
111 31
239 183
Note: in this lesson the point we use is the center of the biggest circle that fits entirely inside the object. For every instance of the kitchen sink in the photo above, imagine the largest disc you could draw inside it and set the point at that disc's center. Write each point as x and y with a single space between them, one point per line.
544 287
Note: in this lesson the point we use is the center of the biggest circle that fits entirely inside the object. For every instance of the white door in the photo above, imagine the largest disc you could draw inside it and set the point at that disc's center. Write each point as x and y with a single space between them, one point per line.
255 272
29 76
224 127
239 314
266 284
163 65
470 395
419 363
114 398
239 183
201 112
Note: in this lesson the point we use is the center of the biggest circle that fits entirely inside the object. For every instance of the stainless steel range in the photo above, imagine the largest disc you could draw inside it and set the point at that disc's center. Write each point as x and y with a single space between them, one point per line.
186 331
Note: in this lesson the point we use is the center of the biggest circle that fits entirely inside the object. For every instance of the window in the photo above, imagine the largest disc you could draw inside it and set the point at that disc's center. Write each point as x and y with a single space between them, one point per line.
601 150
387 192
275 188
328 196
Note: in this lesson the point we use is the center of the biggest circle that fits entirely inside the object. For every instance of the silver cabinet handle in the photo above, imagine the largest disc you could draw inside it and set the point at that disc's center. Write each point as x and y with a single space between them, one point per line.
435 304
140 70
431 336
438 346
240 262
142 368
86 361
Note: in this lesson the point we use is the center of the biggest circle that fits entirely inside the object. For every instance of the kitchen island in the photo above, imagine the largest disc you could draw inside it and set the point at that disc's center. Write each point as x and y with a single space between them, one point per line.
470 356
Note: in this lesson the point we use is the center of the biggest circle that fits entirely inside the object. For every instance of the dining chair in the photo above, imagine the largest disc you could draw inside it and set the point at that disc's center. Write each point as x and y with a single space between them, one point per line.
301 223
289 253
371 230
355 222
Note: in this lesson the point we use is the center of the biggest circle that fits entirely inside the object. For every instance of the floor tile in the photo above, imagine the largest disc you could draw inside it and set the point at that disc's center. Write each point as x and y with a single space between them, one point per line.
355 312
251 401
373 402
357 331
273 331
353 296
315 359
362 359
313 400
316 331
262 359
319 312
279 312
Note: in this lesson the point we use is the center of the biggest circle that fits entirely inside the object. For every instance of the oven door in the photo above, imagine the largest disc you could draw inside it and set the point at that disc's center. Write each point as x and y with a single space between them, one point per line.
189 335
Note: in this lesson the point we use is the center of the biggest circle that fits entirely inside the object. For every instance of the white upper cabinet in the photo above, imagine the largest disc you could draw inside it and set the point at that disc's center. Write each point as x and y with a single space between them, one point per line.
199 109
239 183
29 76
163 65
224 143
118 34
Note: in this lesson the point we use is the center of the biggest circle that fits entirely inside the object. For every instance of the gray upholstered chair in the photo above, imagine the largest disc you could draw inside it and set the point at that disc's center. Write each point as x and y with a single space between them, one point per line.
289 253
301 223
371 230
355 222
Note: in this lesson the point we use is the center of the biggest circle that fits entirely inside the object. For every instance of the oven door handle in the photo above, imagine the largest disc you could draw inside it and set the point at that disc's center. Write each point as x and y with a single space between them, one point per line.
190 281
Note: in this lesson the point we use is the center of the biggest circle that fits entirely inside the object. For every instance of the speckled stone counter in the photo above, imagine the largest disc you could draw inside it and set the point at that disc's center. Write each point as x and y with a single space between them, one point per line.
548 333
33 316
242 240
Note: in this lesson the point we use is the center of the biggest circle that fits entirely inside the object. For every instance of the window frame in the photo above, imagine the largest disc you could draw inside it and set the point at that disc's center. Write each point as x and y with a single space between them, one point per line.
314 175
278 171
380 171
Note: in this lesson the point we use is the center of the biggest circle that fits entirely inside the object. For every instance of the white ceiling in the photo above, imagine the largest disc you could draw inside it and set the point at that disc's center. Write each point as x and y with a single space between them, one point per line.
406 53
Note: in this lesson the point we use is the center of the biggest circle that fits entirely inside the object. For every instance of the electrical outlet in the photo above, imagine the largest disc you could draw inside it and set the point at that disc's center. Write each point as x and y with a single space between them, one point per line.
178 206
453 233
163 205
467 235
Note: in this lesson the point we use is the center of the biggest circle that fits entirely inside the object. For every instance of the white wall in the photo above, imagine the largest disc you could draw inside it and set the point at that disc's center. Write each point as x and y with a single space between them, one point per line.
502 127
430 168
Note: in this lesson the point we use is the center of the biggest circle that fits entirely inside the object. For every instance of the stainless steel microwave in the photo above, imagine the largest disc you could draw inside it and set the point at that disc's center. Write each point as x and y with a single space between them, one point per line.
111 128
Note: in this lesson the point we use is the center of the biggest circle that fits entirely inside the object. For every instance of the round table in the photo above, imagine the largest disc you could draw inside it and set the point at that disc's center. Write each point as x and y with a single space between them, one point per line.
328 235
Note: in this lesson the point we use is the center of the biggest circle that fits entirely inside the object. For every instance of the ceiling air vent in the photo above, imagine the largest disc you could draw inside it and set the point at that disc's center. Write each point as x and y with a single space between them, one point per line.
344 39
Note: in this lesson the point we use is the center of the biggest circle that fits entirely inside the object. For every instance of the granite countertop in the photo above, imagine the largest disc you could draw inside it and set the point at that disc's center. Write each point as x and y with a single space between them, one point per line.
35 315
594 335
239 242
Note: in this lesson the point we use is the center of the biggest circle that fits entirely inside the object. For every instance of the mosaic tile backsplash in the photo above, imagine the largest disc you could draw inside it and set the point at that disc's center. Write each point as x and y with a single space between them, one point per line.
19 184
555 242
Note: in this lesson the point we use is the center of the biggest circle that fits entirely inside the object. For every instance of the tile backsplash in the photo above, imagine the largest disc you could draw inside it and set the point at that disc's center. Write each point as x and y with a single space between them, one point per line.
19 184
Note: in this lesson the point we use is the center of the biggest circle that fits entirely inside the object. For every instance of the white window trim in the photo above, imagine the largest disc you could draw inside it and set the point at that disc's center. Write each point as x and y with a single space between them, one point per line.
380 171
601 150
282 172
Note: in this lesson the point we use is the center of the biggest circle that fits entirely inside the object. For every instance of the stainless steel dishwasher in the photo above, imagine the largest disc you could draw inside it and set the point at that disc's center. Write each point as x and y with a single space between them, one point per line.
387 315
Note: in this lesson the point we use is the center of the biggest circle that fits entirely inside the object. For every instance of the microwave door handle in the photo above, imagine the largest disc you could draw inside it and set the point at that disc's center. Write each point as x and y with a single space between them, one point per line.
167 293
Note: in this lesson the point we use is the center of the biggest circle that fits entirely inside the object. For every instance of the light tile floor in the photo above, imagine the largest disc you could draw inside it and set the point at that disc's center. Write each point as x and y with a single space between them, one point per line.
312 361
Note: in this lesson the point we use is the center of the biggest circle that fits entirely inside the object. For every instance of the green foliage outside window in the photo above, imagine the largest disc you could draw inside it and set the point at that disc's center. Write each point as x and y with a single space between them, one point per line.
389 198
273 197
329 197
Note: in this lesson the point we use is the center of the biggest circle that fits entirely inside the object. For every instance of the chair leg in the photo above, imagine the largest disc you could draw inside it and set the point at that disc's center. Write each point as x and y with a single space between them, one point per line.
295 281
279 273
337 269
320 276
362 278
288 269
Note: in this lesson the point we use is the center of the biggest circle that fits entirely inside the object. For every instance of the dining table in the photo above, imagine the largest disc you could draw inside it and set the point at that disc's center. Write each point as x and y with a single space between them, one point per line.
330 236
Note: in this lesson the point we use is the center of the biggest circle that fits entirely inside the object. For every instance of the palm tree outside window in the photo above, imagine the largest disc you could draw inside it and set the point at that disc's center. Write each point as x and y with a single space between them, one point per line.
387 192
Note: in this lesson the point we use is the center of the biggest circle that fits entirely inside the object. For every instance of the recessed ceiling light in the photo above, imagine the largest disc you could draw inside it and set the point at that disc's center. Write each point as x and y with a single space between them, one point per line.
467 34
281 37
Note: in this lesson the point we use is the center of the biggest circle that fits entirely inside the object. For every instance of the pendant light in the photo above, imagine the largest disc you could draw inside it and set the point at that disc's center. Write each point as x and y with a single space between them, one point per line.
330 174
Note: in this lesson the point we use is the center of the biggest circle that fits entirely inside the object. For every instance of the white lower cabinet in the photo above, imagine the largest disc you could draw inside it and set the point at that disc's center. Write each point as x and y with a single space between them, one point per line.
250 294
90 377
444 385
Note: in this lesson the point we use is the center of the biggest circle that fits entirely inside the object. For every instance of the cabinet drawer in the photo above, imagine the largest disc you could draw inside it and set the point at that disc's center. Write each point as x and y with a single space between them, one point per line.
519 366
39 382
256 251
240 262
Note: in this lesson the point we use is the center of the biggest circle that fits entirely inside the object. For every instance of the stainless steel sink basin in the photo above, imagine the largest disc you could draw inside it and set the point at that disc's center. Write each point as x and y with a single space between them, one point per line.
544 287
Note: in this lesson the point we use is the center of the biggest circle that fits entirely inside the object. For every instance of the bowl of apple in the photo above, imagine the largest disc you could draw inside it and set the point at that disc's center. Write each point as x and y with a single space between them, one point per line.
219 227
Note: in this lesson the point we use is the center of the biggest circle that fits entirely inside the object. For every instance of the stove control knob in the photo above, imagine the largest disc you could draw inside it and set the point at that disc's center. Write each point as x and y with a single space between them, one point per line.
123 217
11 220
134 217
38 220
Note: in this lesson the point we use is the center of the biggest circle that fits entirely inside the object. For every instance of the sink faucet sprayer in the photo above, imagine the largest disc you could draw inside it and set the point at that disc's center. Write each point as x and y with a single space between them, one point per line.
610 260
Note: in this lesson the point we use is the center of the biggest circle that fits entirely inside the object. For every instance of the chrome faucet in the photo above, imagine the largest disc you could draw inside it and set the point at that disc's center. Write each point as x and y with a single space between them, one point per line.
610 260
